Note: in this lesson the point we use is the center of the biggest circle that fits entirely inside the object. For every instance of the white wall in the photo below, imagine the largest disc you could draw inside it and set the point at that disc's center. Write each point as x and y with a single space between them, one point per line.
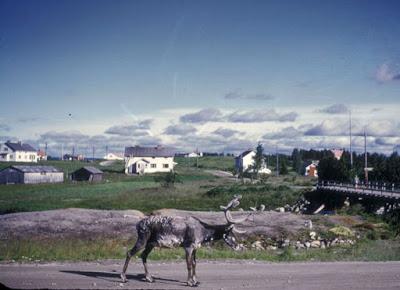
17 156
155 164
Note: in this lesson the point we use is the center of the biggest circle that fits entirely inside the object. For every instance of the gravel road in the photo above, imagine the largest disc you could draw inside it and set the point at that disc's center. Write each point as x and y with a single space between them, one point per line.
212 274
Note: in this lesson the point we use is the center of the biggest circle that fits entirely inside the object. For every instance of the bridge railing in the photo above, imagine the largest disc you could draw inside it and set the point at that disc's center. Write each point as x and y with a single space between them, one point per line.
371 188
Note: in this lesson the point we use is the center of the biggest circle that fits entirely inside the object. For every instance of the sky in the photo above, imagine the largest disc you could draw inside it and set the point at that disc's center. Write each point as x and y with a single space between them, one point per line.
217 76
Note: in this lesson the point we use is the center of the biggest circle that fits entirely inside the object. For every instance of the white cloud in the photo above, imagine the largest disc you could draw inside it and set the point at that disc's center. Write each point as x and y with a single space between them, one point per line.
386 74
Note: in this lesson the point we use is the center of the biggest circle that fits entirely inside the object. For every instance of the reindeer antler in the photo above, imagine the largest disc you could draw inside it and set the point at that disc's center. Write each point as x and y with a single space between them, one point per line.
232 204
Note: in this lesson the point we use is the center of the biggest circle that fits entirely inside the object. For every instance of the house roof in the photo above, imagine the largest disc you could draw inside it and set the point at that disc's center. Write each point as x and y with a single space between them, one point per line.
20 146
93 170
35 168
244 153
158 151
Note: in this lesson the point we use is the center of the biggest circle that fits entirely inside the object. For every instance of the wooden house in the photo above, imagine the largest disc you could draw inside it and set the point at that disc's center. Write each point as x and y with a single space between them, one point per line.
140 160
25 174
245 161
17 152
87 173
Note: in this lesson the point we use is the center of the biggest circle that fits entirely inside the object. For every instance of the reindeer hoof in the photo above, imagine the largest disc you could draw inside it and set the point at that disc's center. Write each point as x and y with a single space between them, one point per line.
193 283
123 277
149 279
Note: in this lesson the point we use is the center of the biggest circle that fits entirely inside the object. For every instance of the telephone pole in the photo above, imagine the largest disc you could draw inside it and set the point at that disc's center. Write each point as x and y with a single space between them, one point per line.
351 151
277 161
365 158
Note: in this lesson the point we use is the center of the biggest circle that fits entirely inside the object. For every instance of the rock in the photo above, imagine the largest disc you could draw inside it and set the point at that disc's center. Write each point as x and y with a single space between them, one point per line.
280 209
270 247
342 231
315 244
308 224
299 245
257 245
307 244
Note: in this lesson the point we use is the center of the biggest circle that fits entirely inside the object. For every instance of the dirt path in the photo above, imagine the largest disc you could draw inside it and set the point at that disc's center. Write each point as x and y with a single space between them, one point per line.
213 275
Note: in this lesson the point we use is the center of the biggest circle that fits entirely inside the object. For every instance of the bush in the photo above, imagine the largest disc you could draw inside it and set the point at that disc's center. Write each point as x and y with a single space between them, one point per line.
167 180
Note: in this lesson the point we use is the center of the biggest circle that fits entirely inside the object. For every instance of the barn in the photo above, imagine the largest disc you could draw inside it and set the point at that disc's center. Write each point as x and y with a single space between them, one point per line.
25 174
87 173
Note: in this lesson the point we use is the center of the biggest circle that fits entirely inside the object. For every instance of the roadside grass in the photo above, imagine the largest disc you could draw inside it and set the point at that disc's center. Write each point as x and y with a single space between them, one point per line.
90 250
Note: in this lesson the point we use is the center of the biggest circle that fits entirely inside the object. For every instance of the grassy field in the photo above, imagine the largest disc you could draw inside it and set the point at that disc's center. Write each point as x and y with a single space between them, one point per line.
89 250
197 190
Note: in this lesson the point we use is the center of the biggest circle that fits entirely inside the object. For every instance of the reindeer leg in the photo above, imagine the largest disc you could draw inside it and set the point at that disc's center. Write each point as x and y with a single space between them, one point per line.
189 263
194 268
144 255
138 246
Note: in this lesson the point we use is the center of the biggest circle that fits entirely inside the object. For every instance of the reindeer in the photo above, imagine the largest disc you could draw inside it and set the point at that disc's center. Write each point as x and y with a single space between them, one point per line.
188 232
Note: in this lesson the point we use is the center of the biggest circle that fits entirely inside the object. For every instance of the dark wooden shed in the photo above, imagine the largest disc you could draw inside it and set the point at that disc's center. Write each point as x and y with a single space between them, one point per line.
87 173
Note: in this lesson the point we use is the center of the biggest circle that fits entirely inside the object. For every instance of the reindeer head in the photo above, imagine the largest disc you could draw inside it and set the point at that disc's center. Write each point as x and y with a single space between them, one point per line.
229 234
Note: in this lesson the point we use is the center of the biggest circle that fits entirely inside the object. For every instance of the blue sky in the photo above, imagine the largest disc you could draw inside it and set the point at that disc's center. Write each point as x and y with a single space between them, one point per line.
117 64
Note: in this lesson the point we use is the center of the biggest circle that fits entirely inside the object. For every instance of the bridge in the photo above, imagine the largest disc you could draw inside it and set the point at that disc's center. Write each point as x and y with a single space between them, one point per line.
370 190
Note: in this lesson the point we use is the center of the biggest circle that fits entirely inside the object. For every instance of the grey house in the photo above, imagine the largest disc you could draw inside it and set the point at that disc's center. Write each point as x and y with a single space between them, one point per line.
87 173
25 174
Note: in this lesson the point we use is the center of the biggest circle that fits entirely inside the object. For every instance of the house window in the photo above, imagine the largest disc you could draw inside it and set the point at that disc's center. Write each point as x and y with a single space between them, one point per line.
5 149
11 156
19 156
165 165
43 173
153 165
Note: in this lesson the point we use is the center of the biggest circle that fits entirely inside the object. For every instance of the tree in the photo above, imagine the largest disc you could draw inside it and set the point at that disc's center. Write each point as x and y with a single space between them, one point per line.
258 159
282 165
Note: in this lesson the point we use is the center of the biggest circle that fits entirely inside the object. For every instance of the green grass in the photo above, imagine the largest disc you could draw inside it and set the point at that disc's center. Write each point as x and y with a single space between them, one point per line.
225 163
89 250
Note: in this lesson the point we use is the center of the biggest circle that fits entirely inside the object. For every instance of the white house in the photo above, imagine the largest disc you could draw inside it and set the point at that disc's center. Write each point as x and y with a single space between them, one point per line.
141 160
244 161
312 168
194 154
114 156
17 152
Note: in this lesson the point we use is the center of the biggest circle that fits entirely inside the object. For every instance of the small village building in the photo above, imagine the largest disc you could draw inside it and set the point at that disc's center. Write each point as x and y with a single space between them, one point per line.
114 156
70 157
245 161
41 155
141 160
194 154
87 173
311 168
17 152
30 174
337 153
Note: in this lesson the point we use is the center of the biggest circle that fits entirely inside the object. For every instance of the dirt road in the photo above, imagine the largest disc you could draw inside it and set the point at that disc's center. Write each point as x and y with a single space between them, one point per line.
213 275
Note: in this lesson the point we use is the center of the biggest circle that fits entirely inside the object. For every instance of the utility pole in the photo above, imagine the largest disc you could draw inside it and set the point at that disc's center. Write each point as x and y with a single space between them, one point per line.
73 152
351 151
93 153
62 151
106 150
277 162
45 148
365 158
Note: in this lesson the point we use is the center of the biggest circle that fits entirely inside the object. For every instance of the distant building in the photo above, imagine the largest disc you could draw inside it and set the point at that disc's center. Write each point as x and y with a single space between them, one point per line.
87 173
194 154
245 161
141 160
41 155
17 152
337 153
70 157
311 168
30 174
114 156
